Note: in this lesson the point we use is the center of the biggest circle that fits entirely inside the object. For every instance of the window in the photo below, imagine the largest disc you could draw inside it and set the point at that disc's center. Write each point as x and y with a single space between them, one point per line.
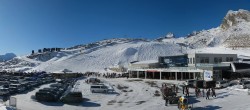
231 59
103 87
220 59
228 59
193 60
95 86
217 60
204 60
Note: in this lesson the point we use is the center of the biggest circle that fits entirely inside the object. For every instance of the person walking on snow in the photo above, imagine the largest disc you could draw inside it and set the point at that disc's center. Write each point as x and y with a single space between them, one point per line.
196 92
203 92
213 93
199 92
187 92
183 89
208 93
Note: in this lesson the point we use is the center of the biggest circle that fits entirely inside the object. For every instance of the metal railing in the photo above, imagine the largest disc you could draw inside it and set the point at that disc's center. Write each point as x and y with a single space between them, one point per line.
186 68
212 65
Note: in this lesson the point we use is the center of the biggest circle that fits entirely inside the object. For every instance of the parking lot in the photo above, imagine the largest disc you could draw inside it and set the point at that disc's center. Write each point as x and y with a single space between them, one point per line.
129 94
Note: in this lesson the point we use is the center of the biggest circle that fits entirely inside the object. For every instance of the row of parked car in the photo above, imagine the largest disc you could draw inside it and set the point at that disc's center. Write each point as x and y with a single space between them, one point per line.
245 82
17 84
58 92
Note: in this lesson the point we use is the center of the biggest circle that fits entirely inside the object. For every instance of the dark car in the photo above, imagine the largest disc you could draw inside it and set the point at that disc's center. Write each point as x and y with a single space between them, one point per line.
246 85
53 91
72 97
13 90
190 83
46 96
204 84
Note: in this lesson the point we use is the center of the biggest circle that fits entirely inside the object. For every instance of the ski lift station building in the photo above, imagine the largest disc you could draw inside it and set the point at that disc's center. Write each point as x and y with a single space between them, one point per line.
206 66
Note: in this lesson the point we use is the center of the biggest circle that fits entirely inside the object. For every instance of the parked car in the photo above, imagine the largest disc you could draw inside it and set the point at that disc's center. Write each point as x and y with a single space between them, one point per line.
53 91
222 84
244 80
4 91
46 96
234 82
190 83
33 83
93 80
17 87
72 97
98 88
209 84
204 84
246 85
13 90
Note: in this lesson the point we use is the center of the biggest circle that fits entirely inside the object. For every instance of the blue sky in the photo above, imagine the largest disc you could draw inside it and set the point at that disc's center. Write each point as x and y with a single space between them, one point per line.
27 25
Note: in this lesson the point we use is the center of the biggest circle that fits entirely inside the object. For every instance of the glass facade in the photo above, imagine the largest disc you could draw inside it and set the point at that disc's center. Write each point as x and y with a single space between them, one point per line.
174 61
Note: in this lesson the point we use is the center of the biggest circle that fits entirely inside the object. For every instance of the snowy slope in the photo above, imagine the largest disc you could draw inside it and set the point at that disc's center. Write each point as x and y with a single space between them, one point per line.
122 54
232 36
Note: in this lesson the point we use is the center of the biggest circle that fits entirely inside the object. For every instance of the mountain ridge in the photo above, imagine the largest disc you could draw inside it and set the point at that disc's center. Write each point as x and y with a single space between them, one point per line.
7 57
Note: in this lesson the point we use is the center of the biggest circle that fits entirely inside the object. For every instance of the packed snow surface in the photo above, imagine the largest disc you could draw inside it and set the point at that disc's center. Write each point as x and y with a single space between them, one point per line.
139 95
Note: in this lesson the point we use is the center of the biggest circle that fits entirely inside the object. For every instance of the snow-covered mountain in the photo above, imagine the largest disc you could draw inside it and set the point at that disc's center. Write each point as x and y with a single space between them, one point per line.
7 56
232 36
96 57
233 32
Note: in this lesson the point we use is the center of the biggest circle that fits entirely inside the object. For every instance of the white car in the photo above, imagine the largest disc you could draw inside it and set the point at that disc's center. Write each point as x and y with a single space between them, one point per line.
221 84
98 88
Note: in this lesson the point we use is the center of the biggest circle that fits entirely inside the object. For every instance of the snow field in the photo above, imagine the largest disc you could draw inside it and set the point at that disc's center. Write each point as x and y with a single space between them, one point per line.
135 94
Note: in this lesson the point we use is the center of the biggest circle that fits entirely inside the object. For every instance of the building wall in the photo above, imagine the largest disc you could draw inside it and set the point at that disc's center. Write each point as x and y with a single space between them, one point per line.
143 66
210 58
191 62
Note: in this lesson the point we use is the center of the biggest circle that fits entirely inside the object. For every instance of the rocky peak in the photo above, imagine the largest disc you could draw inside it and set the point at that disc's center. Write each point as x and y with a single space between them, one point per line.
234 18
170 35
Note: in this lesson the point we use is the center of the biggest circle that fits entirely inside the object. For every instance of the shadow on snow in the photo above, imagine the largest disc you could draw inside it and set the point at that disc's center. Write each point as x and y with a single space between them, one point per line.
84 103
209 107
193 100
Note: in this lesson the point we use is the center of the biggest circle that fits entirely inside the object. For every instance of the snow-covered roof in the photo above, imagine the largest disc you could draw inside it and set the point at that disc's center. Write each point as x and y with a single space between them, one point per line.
146 62
180 54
